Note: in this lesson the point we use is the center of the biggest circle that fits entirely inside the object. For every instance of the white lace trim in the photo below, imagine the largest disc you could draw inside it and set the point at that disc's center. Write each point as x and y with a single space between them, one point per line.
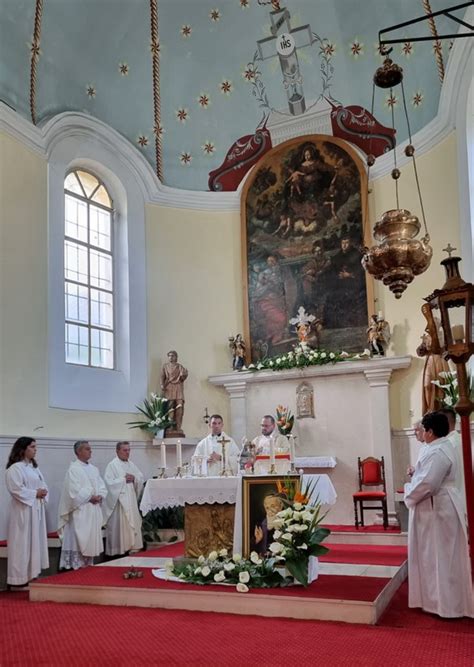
74 560
219 497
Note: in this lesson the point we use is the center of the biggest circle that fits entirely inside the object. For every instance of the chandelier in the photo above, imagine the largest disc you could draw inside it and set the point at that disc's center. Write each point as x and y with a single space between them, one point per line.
399 255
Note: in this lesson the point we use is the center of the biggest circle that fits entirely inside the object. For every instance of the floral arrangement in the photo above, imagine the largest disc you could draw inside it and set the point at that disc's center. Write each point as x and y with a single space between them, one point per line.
297 536
450 387
222 568
157 415
285 420
303 355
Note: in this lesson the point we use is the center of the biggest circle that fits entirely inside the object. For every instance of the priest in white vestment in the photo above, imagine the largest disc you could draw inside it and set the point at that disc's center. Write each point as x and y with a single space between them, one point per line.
124 481
281 448
80 511
270 432
211 449
439 575
27 537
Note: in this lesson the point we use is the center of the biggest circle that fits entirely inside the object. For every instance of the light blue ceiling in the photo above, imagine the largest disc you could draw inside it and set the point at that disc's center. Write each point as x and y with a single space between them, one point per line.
84 43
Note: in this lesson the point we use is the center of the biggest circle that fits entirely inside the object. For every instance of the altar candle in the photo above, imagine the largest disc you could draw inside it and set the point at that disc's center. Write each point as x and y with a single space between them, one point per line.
163 454
292 448
458 333
380 315
272 450
179 457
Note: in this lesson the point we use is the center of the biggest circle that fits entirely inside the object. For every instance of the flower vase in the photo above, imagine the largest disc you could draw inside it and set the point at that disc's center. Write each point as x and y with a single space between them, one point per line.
313 571
158 437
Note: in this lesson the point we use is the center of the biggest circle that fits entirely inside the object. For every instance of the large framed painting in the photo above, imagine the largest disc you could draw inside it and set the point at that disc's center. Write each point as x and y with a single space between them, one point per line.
262 499
303 209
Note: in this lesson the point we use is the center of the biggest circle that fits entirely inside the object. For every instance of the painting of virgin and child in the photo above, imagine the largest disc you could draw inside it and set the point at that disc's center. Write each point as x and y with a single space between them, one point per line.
302 213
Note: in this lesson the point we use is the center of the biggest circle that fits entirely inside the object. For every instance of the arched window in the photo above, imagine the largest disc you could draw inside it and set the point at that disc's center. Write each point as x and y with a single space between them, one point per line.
88 271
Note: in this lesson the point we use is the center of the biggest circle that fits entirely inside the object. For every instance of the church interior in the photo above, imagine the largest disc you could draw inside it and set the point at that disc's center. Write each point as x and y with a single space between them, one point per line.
238 208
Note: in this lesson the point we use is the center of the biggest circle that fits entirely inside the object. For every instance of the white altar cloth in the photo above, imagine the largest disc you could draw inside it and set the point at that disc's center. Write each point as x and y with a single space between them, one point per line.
174 492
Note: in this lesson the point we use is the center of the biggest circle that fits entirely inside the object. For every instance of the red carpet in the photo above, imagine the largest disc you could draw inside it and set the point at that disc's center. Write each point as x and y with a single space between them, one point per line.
55 635
327 586
369 554
362 529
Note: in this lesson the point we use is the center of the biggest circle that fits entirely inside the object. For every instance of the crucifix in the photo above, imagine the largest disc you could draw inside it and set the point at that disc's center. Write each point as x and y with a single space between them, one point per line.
284 43
225 470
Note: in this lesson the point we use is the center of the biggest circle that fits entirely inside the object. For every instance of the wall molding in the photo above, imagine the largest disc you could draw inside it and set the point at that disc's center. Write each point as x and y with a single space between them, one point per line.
41 139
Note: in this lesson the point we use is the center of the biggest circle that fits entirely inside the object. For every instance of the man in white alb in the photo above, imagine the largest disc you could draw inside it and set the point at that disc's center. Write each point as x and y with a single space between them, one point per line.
211 448
439 574
80 511
124 482
455 439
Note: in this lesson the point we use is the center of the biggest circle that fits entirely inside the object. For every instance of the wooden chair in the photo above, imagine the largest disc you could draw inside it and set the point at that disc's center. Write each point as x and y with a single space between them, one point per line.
371 474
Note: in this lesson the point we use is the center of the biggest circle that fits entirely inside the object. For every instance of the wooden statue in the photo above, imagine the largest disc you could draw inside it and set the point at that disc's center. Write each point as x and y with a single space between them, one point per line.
431 397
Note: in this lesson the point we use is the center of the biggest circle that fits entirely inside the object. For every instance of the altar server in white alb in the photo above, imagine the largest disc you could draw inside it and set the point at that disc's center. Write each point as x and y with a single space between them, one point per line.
439 576
124 482
27 537
80 511
211 448
456 442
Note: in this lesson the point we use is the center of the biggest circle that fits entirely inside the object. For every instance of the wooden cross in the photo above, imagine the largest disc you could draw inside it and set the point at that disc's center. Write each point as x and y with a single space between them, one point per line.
284 43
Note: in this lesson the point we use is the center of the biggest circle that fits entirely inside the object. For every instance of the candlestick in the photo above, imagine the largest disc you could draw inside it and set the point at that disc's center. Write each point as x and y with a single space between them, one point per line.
163 455
162 474
292 452
179 455
272 451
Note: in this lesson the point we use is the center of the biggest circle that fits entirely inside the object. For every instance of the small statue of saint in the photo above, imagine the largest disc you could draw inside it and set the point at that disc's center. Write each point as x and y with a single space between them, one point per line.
172 380
378 335
237 345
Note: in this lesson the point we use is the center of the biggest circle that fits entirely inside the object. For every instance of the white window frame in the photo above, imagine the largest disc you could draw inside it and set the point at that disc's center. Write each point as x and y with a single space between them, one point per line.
74 386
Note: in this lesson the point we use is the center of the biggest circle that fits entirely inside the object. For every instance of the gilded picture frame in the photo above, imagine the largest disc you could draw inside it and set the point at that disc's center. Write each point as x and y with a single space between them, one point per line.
302 213
262 498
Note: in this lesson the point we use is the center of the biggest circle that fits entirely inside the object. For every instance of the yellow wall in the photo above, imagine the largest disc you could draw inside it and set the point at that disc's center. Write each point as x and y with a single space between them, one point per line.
194 295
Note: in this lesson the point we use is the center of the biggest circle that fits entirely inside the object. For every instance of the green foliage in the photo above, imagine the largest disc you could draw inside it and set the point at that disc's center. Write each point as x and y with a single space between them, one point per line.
157 415
160 519
302 356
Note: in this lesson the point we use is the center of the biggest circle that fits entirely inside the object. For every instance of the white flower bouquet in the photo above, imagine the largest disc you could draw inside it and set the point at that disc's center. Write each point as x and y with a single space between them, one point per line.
449 385
220 567
157 415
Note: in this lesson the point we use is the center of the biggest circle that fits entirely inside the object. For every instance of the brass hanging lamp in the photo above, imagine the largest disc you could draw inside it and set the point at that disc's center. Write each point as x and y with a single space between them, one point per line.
399 256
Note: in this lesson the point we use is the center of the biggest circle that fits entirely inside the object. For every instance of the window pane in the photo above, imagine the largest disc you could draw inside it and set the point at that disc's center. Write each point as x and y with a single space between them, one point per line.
77 344
75 262
72 184
101 196
100 270
76 218
102 309
100 228
77 303
102 348
89 182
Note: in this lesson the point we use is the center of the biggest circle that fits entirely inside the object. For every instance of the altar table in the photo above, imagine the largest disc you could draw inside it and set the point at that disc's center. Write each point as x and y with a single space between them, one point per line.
220 491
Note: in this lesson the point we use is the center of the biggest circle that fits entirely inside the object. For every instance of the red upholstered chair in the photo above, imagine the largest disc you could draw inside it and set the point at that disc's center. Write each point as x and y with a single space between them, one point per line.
371 474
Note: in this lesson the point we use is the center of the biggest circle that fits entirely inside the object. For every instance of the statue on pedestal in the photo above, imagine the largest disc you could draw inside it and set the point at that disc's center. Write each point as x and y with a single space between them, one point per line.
431 398
172 380
378 335
237 345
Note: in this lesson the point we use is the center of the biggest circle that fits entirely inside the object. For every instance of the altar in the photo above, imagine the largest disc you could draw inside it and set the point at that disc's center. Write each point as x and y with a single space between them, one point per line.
213 507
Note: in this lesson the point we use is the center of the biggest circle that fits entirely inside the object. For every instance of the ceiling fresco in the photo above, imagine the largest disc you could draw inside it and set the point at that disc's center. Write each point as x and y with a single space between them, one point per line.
220 76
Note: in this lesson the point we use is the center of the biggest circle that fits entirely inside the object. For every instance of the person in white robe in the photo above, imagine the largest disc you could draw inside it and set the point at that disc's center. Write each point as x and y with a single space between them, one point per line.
124 482
455 439
263 445
210 448
27 546
80 511
439 575
424 448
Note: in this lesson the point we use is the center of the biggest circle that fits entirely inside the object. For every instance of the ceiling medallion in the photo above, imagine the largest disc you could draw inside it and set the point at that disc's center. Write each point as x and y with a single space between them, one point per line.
398 256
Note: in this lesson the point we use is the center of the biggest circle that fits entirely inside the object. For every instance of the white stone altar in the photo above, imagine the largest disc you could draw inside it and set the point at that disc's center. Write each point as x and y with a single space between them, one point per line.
352 417
172 492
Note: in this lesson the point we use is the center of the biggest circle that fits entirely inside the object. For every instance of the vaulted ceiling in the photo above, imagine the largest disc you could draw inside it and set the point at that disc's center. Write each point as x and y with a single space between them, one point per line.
96 56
